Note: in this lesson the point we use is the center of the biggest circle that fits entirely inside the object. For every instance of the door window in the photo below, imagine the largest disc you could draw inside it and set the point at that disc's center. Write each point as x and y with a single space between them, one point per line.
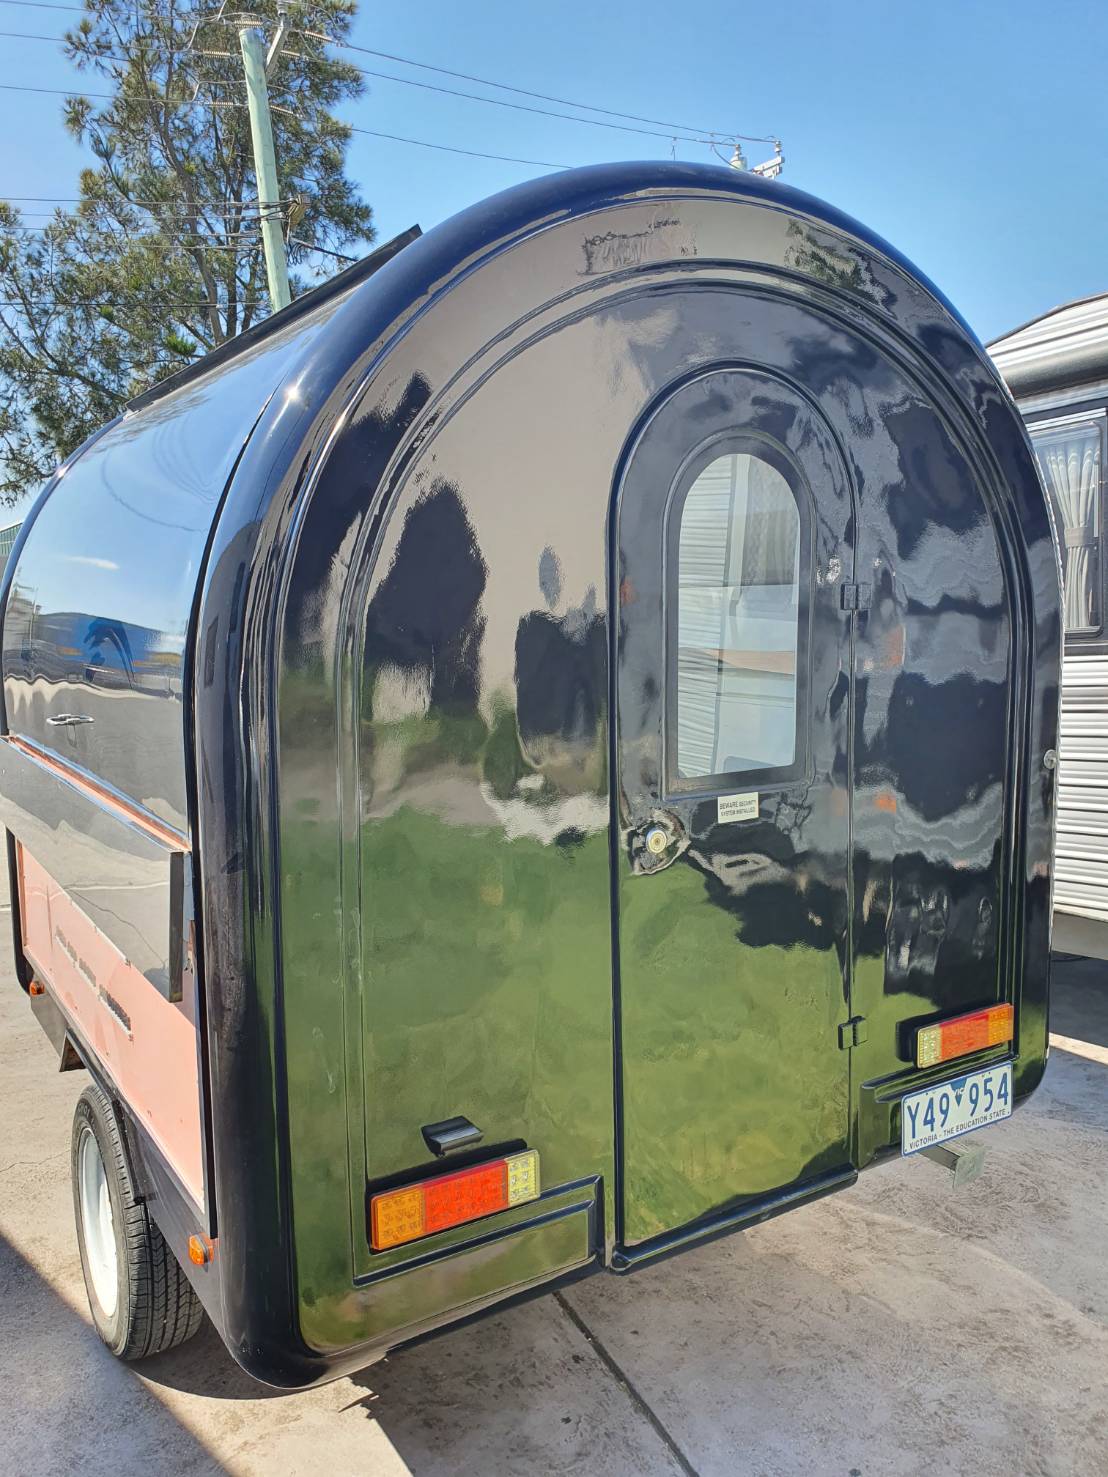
736 616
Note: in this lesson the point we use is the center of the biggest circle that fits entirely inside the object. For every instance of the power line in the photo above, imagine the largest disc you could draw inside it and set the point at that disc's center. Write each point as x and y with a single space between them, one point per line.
116 97
339 256
199 102
250 228
30 36
41 5
114 56
152 240
393 137
497 102
145 204
527 92
683 130
164 302
169 215
450 149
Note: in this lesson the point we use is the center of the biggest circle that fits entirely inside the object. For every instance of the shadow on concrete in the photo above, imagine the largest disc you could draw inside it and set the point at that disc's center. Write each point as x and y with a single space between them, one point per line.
1079 998
86 1412
204 1366
516 1392
521 1391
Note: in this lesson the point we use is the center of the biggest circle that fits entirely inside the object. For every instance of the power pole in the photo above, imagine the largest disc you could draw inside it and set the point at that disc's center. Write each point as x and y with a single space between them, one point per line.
256 64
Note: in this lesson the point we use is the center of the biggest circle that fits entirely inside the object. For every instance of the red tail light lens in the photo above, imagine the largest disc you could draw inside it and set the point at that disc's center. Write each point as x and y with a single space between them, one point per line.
964 1034
406 1214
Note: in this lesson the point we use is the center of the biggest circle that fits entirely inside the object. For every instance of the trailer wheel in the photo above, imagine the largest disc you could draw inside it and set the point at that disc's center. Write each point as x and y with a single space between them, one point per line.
140 1299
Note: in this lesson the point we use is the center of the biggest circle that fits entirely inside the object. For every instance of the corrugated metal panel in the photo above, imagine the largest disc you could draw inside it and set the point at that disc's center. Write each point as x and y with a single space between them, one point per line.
1065 346
1081 844
7 541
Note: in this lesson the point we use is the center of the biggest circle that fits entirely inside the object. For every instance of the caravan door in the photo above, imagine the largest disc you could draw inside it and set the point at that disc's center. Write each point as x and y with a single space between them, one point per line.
733 570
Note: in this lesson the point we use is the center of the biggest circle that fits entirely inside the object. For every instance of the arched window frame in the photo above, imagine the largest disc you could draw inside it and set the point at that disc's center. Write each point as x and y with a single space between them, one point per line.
736 442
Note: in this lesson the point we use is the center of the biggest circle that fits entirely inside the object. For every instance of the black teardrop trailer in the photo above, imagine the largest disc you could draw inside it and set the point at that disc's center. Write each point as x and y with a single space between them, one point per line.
539 755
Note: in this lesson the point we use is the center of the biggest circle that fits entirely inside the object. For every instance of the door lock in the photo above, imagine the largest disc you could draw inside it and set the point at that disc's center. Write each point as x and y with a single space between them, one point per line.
656 840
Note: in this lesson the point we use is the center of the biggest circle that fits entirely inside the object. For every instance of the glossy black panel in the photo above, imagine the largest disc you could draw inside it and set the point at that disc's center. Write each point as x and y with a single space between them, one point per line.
98 610
411 393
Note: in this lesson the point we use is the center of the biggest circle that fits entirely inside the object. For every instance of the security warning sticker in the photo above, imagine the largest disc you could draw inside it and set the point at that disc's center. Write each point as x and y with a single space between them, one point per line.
736 808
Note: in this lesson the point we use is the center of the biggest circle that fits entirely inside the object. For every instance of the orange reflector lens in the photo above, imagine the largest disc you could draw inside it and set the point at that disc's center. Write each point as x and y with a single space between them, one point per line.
396 1216
201 1250
963 1034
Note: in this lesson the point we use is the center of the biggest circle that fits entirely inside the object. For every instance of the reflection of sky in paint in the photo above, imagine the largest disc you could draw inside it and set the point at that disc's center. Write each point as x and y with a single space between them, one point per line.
89 560
123 533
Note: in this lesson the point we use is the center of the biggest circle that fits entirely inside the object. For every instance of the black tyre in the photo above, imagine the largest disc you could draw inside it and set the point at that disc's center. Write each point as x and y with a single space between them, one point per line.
140 1299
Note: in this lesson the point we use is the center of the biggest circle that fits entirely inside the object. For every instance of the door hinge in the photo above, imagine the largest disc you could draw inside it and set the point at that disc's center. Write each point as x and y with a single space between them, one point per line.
852 1032
854 597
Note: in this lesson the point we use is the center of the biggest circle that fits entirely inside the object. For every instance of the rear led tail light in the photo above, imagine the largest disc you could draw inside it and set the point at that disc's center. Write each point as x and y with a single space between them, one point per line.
406 1214
963 1034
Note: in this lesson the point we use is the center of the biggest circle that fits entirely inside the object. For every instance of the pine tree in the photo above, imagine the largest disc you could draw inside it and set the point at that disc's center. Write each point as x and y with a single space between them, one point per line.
161 258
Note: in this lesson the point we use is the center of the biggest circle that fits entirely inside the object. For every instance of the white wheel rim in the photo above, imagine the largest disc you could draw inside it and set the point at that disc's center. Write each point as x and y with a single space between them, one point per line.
97 1225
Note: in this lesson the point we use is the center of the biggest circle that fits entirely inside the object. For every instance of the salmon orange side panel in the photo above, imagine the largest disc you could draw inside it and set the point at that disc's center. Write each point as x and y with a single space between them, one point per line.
146 1043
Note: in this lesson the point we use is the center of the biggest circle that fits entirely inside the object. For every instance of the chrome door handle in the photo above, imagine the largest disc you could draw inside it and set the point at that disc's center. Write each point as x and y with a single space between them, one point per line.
69 719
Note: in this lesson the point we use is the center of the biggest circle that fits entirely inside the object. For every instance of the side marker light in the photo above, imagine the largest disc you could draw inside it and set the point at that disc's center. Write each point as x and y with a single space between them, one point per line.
201 1250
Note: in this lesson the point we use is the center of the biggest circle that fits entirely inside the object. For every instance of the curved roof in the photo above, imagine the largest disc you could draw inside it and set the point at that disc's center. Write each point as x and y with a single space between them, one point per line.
1066 346
566 193
207 464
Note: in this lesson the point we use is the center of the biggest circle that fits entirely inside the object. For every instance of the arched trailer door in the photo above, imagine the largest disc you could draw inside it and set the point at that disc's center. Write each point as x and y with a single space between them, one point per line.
734 565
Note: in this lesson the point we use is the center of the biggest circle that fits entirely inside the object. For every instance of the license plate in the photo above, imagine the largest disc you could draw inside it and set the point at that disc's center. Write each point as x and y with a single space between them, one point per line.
955 1108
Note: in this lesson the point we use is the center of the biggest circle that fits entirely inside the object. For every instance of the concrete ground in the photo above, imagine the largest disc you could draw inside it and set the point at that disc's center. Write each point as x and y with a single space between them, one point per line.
896 1328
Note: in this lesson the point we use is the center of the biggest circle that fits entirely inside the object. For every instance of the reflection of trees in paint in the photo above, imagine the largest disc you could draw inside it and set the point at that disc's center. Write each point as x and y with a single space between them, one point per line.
937 930
815 254
941 745
935 925
424 631
107 645
560 670
933 918
937 488
98 651
425 618
561 667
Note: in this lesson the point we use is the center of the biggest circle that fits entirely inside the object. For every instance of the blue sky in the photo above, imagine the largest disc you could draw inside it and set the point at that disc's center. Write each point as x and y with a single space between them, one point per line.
972 135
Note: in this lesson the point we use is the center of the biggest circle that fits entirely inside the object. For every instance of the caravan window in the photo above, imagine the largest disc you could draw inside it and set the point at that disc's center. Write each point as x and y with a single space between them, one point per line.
736 631
1071 456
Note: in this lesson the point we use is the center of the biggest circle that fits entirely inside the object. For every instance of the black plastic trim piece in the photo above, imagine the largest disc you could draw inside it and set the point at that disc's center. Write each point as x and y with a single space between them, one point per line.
451 1133
23 971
